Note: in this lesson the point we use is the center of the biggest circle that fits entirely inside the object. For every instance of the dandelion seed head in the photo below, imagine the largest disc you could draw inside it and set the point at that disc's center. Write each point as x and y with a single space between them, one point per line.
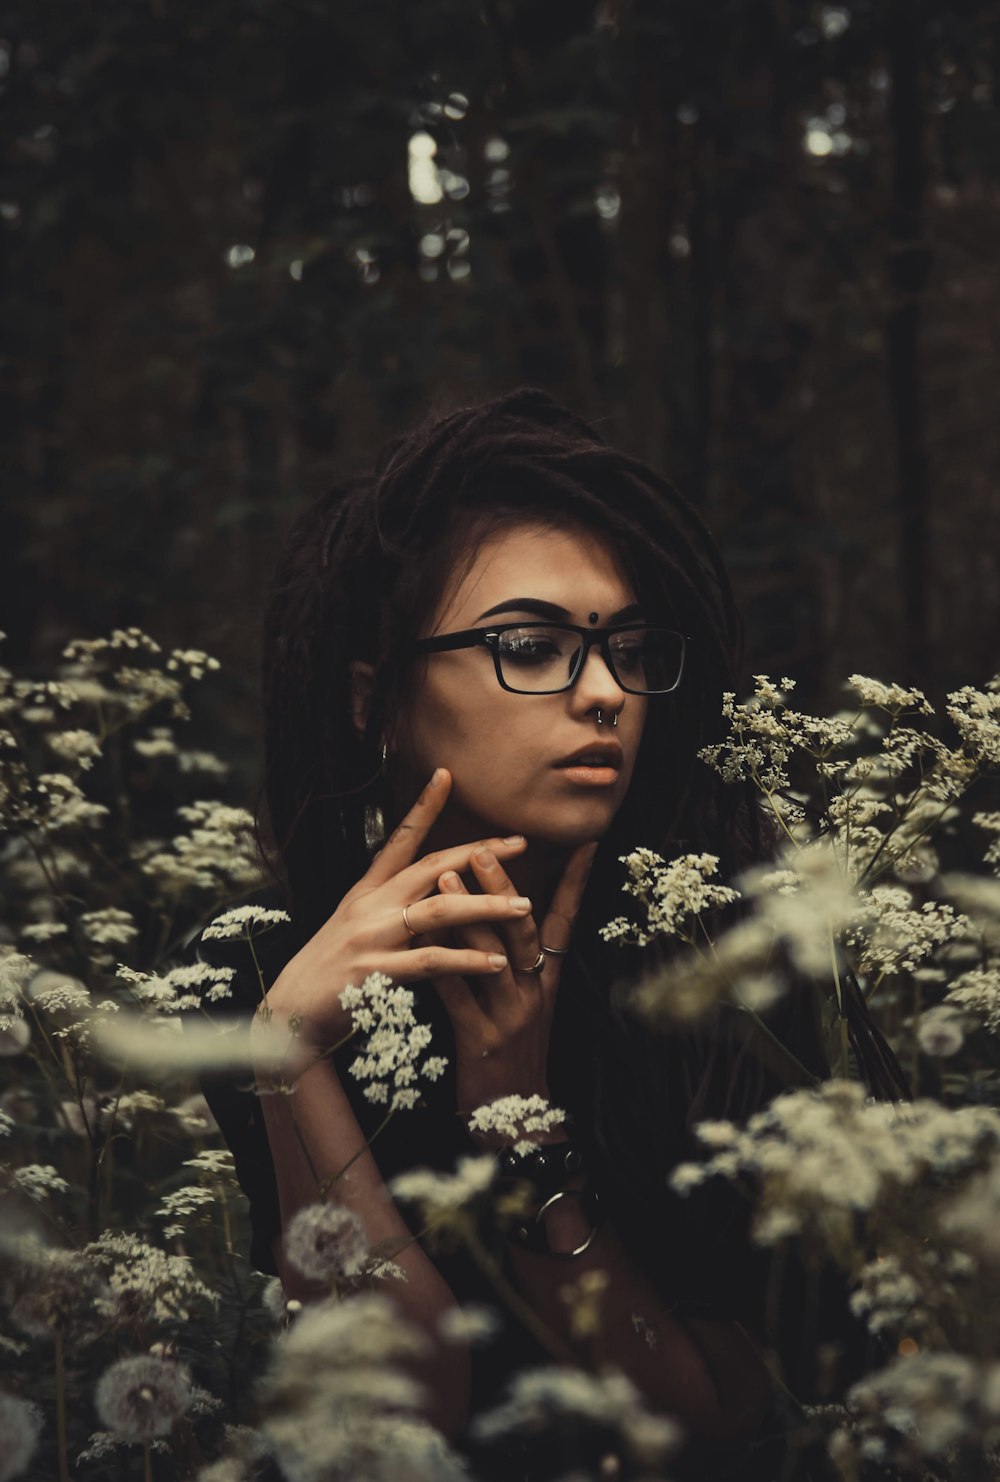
326 1241
139 1398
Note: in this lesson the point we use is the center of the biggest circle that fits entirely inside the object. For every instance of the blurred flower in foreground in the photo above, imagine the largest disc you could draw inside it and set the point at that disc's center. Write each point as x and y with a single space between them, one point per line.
20 1424
326 1241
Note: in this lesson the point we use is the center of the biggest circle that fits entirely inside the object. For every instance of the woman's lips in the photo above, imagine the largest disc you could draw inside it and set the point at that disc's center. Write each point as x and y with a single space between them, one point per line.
590 776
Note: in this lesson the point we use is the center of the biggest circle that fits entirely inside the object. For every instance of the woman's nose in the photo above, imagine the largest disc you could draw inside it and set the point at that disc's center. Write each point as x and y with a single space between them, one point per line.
596 685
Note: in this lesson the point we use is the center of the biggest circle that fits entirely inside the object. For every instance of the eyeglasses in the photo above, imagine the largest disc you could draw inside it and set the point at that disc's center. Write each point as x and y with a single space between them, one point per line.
547 658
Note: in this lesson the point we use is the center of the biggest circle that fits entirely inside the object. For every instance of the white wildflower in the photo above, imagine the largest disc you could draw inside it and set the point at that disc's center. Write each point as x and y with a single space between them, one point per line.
670 893
804 901
976 716
216 1162
326 1242
146 1284
515 1118
43 931
888 1296
610 1399
20 1426
470 1323
178 1208
971 1218
64 805
37 1180
892 936
977 992
58 993
193 660
925 1404
75 746
159 742
109 926
437 1192
892 697
242 921
217 854
394 1042
139 1398
339 1406
15 970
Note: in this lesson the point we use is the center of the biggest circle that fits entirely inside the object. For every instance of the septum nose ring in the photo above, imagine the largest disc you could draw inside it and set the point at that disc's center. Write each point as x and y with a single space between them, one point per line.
600 719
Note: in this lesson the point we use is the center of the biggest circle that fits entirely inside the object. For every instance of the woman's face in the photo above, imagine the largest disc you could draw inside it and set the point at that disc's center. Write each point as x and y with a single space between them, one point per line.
507 752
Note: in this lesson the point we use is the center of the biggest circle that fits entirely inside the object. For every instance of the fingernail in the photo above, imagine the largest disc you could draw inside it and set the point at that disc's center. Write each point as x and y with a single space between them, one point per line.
449 881
485 857
497 961
519 903
435 777
513 839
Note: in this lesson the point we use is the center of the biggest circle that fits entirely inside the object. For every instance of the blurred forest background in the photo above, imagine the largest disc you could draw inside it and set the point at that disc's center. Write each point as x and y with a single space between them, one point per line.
757 240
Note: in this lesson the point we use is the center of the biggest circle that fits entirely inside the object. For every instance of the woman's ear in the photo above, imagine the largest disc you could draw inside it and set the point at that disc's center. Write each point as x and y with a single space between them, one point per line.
362 688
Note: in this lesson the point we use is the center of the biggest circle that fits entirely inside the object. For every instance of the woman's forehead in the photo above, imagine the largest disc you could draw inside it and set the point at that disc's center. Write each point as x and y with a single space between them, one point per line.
572 567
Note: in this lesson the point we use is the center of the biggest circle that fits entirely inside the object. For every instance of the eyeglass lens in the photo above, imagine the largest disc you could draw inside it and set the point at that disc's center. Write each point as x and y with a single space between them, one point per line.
539 657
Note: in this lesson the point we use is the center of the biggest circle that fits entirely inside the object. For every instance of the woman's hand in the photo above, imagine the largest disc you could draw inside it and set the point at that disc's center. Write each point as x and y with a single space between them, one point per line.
367 932
503 1023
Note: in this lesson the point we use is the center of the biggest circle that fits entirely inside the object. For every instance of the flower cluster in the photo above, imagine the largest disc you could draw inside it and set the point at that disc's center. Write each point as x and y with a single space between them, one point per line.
672 895
515 1119
390 1063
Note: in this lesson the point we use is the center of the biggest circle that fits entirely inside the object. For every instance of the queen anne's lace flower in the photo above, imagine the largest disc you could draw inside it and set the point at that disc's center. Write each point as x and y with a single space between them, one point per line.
242 921
535 1396
672 894
439 1192
139 1398
892 697
515 1118
75 746
109 926
145 1284
394 1042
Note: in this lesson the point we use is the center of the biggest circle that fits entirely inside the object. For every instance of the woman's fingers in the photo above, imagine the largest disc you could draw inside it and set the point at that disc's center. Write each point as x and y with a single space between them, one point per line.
557 927
520 934
457 908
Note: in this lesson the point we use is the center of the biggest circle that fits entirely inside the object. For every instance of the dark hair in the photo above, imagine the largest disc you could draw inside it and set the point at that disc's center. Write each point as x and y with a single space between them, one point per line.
360 574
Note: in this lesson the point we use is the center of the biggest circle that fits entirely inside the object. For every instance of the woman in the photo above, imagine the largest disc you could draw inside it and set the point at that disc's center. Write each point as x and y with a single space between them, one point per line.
508 645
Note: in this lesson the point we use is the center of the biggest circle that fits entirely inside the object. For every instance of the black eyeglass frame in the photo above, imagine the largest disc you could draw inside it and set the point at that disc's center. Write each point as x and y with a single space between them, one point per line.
490 638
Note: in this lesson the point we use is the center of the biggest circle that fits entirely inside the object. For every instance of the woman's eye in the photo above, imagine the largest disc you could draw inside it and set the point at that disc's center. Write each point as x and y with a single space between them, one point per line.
528 648
628 655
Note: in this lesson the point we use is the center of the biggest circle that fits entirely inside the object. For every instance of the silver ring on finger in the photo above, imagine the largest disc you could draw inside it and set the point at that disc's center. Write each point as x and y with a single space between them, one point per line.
556 951
536 966
406 922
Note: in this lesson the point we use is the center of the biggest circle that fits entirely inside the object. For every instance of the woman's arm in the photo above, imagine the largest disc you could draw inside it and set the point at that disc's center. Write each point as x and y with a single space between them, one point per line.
708 1373
326 1128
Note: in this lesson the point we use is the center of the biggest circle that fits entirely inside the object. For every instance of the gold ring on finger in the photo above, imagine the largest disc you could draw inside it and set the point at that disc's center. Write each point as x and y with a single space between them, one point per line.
406 922
556 951
536 966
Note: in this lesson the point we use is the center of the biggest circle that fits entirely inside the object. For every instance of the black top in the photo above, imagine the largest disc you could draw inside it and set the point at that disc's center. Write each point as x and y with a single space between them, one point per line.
714 1223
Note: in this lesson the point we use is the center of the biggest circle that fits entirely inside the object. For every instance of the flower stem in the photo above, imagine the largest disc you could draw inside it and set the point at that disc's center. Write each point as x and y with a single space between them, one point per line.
147 1463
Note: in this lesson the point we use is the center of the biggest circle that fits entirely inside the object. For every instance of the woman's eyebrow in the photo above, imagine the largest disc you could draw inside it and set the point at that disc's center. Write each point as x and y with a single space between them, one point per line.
552 610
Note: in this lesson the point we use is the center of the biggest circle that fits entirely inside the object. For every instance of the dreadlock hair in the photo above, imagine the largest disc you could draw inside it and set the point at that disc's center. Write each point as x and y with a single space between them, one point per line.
361 574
